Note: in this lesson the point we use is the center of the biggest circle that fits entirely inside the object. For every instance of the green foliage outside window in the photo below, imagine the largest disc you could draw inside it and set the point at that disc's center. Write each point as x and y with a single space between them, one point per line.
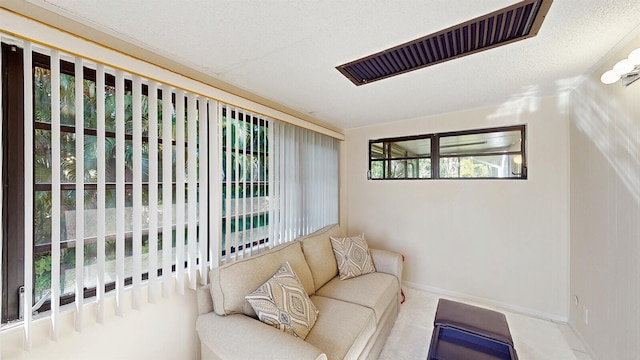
247 165
248 177
43 166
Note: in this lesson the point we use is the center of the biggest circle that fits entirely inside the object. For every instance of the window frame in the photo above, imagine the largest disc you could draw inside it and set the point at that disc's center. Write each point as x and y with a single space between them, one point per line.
13 179
435 154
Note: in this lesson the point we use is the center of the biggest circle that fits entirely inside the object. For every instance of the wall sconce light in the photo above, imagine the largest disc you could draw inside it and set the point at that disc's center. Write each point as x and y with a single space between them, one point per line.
627 70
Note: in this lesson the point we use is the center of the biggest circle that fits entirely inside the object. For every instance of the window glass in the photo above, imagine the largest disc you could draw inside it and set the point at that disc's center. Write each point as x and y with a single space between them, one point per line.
490 154
400 159
493 166
481 143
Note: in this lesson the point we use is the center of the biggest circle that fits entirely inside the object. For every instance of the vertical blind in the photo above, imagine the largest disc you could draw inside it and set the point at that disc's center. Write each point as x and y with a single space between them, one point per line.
28 195
131 182
244 188
303 179
120 182
279 182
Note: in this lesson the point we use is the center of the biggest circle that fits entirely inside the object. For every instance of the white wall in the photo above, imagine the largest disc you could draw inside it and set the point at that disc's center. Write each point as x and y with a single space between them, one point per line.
605 213
501 241
165 330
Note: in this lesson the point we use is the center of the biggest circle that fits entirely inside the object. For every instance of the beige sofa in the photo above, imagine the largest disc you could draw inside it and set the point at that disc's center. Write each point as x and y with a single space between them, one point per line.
355 315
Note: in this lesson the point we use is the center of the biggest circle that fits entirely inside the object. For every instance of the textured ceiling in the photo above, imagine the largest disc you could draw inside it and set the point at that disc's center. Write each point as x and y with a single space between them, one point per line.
287 50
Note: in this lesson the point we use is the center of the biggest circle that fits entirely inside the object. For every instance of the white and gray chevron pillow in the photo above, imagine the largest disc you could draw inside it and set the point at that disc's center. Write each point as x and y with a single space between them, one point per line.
283 303
353 256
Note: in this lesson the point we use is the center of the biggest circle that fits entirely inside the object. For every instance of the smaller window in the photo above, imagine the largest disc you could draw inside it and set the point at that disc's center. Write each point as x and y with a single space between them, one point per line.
401 158
496 153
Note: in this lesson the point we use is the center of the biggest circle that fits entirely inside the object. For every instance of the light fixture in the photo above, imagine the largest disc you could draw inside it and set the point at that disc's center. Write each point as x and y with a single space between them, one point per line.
627 70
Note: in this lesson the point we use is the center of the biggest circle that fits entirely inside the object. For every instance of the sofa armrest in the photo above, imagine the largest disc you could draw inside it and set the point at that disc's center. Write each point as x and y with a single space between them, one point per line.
205 302
240 337
387 262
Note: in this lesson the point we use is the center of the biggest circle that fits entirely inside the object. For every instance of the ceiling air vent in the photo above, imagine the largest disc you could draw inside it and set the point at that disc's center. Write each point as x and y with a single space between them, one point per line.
513 23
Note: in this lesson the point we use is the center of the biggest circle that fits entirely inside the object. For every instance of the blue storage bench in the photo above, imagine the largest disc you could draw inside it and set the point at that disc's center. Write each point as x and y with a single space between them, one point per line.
463 331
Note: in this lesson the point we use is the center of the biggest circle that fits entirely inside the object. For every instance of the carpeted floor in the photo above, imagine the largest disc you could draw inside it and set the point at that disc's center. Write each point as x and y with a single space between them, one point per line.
534 339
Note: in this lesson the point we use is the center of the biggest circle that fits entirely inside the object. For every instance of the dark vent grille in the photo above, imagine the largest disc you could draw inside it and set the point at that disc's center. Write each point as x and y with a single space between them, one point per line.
513 23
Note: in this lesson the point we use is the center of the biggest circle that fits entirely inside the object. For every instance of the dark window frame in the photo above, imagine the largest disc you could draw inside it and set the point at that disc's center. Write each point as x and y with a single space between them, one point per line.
435 155
13 180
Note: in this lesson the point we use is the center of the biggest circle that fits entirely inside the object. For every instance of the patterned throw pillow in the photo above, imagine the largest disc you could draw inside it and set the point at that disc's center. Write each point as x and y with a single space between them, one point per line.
283 303
353 257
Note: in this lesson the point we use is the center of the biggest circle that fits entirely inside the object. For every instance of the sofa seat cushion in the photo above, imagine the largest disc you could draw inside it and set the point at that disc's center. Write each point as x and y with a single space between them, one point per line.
375 291
241 337
343 329
232 282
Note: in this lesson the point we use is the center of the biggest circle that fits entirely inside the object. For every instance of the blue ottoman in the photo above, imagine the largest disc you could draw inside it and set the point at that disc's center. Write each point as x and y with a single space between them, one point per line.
463 331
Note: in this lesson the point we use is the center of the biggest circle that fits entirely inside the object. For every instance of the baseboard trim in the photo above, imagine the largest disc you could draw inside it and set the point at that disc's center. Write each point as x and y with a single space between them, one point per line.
510 307
584 343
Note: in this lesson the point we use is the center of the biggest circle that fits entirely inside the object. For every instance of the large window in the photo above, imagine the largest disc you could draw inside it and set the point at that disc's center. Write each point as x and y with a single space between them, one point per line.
114 182
496 153
160 167
42 157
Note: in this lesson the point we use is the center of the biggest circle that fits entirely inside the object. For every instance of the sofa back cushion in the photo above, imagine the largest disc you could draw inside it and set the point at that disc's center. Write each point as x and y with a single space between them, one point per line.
232 282
319 254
